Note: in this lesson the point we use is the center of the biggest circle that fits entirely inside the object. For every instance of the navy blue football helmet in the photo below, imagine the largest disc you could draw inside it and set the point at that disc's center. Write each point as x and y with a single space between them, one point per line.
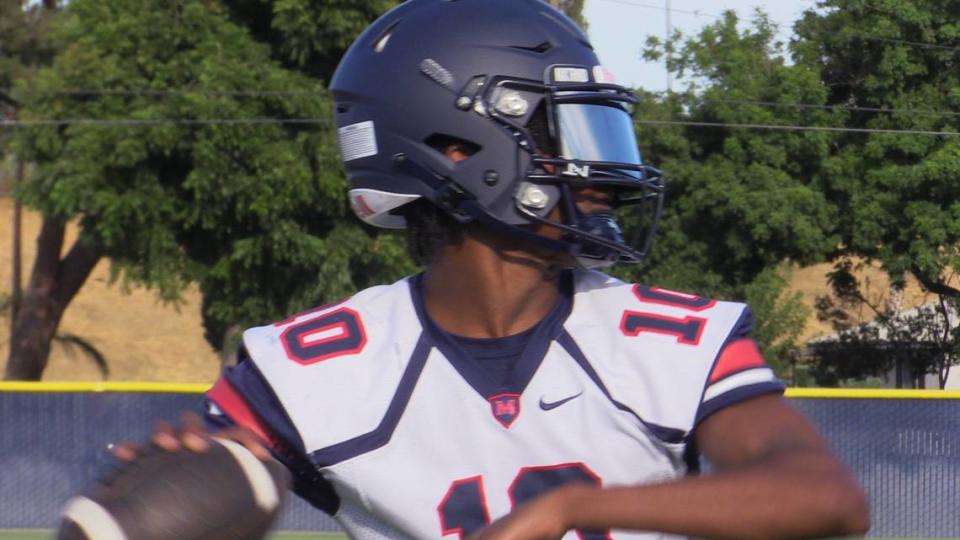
518 84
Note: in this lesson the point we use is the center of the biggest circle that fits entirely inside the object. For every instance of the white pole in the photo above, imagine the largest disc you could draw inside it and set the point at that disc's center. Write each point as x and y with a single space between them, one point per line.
669 31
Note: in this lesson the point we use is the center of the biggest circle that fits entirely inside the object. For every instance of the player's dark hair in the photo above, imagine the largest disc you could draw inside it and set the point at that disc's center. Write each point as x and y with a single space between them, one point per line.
428 230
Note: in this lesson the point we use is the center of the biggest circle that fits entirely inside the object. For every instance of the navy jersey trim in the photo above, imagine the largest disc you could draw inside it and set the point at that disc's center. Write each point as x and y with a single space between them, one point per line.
472 371
740 330
247 379
665 434
380 435
737 372
288 447
737 395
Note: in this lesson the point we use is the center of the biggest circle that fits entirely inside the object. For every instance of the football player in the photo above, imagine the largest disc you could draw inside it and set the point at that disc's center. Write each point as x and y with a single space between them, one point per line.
512 390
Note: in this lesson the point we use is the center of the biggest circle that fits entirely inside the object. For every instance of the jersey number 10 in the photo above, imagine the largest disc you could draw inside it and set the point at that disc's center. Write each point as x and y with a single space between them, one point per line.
687 330
463 511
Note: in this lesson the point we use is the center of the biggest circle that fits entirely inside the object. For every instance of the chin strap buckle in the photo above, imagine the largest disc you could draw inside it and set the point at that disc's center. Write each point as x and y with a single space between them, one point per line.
450 196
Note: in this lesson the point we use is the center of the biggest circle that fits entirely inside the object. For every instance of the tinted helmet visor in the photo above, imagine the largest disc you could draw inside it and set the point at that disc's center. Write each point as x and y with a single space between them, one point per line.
597 132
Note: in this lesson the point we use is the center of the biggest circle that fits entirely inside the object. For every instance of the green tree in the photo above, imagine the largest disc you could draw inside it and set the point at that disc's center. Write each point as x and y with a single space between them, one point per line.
307 35
740 201
894 63
178 172
782 316
908 344
221 169
573 9
893 66
25 45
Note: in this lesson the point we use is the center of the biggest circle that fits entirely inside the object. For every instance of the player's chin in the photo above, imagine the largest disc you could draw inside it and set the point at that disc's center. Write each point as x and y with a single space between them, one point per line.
560 262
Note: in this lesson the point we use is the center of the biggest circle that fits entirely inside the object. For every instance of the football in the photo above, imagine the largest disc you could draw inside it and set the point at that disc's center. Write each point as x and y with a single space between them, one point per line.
225 493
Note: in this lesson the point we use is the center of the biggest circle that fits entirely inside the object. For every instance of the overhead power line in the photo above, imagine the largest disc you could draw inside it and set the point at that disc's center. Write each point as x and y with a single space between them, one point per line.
259 93
777 104
158 121
911 43
797 128
148 92
131 122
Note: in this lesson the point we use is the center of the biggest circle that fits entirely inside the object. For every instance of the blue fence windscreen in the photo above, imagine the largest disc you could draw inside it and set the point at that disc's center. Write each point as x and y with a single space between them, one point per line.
52 445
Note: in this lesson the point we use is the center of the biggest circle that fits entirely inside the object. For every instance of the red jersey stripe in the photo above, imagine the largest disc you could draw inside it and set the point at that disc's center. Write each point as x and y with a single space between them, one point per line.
737 356
226 397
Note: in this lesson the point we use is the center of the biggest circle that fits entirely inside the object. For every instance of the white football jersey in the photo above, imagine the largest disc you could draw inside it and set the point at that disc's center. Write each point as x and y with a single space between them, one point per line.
407 437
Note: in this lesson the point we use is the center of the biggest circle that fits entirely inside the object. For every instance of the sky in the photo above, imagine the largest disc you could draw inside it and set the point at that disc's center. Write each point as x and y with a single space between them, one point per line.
619 28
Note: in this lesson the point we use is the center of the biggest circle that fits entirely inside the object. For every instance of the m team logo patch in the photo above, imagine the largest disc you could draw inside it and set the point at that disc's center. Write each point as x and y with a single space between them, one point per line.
505 408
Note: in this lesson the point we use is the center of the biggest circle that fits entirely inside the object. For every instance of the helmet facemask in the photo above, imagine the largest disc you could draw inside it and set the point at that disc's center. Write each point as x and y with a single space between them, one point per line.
580 135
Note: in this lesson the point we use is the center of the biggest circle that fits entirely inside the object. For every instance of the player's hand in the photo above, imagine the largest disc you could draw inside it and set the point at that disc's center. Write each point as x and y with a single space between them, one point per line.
190 435
540 519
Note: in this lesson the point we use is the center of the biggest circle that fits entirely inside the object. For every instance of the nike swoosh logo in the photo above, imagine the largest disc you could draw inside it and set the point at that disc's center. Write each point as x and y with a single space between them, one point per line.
545 405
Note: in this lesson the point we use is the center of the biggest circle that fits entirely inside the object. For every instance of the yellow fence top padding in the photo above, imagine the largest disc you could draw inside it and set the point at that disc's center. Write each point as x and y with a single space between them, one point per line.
107 386
199 388
871 393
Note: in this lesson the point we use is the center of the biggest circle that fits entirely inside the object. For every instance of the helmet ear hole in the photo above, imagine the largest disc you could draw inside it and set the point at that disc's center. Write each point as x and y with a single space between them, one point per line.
445 143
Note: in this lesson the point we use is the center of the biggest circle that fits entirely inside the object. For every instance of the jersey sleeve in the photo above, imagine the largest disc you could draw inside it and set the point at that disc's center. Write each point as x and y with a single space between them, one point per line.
738 373
242 397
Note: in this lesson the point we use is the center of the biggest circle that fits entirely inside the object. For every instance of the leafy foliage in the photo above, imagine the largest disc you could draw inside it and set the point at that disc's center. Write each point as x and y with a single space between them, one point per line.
25 45
910 343
193 189
894 65
194 143
739 201
781 315
896 194
573 9
307 35
24 41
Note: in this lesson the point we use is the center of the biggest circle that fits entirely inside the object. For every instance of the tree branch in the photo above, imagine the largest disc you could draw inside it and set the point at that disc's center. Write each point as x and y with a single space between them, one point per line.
935 286
5 98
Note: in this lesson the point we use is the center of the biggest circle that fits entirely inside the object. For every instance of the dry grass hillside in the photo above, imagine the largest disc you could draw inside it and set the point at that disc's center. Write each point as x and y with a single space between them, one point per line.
811 281
145 340
141 338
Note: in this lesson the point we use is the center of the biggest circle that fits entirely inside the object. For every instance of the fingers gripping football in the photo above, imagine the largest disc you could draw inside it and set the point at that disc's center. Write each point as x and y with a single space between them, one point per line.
223 493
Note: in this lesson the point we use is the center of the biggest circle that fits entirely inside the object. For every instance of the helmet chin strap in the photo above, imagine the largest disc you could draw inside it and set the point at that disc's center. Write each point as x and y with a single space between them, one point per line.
594 240
478 213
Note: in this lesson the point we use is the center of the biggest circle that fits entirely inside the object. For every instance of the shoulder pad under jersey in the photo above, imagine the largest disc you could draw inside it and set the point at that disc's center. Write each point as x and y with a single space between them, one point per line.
654 349
335 369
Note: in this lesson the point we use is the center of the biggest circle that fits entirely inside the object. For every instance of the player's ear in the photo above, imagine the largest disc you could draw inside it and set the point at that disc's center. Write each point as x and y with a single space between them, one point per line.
453 147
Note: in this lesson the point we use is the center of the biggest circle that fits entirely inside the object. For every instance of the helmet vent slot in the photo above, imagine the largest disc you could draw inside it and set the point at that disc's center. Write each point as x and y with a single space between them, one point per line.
539 48
381 42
